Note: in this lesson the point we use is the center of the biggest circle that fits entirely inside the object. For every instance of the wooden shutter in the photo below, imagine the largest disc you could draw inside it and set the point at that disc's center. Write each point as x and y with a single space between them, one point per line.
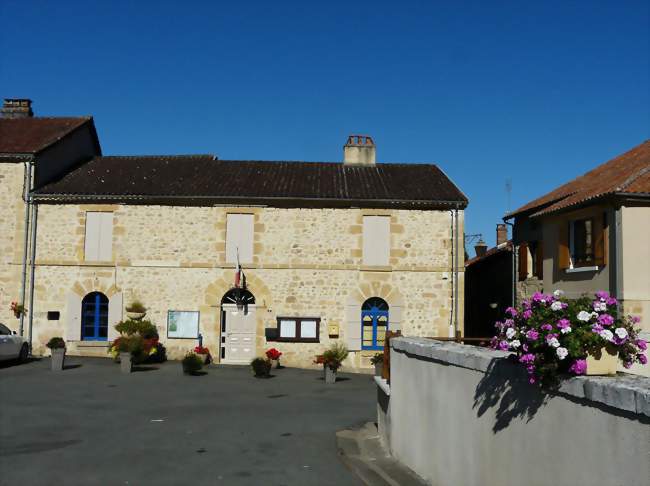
523 261
105 252
91 243
73 317
539 260
115 306
563 258
600 240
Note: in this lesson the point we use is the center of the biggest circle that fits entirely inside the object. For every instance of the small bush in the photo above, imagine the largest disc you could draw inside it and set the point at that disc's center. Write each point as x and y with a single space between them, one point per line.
56 343
136 306
335 355
144 328
377 358
261 367
130 344
192 363
158 354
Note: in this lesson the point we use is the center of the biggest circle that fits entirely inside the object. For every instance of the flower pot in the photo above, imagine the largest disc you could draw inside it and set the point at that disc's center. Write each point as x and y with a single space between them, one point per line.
330 376
275 363
126 362
58 358
136 316
379 368
602 363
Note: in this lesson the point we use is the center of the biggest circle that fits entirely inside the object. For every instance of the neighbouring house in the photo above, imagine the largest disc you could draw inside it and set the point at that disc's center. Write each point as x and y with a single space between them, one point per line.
488 285
592 233
329 251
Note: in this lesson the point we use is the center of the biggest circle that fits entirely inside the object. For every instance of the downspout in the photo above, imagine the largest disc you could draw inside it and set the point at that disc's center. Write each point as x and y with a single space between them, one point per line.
27 186
32 273
456 330
514 265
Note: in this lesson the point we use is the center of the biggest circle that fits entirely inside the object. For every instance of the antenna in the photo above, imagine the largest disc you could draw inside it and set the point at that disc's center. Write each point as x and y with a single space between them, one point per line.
508 193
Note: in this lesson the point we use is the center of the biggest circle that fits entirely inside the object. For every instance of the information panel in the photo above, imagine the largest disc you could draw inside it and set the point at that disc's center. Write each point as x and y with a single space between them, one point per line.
183 324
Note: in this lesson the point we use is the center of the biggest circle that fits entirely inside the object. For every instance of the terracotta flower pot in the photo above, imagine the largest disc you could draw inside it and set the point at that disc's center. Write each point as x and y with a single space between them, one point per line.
602 363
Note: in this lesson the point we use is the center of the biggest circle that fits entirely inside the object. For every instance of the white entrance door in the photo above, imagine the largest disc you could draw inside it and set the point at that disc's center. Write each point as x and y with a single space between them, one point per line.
238 334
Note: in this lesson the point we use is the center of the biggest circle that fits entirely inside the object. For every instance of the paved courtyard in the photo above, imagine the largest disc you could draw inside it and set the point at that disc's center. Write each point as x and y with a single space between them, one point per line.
92 425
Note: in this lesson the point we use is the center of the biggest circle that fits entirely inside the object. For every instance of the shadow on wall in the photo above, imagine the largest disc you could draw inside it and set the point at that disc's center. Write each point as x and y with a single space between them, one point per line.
505 388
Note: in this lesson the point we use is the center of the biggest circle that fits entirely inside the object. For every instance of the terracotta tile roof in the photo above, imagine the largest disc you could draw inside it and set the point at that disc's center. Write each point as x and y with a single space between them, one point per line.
202 177
507 246
628 173
32 134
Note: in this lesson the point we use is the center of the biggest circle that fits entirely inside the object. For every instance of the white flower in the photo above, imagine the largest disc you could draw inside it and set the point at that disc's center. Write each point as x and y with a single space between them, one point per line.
515 344
558 293
561 353
600 306
565 330
606 334
584 316
556 306
553 342
510 333
621 332
594 314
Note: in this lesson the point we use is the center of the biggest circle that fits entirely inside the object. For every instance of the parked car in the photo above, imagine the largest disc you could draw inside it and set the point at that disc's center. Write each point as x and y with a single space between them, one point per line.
12 346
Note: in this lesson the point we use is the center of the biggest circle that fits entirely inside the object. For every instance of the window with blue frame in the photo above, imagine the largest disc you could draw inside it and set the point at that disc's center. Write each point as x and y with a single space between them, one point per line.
94 317
374 323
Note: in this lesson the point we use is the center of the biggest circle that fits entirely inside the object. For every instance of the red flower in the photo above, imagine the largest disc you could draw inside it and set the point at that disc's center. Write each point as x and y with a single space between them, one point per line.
273 354
201 350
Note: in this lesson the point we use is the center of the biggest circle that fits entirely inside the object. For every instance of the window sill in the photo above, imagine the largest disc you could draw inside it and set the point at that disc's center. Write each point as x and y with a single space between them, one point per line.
582 269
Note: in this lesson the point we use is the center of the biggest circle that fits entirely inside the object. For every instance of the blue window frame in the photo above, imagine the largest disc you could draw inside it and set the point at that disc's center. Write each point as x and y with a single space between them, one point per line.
374 323
94 317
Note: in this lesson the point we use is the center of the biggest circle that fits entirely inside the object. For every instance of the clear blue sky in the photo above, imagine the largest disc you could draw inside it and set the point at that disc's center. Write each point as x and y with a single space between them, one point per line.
538 92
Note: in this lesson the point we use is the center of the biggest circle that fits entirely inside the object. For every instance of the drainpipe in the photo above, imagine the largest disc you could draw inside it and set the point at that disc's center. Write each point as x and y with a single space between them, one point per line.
451 315
32 272
27 185
456 330
514 265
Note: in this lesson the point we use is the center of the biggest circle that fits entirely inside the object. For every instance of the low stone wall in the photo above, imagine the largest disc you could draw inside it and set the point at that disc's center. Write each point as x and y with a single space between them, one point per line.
462 415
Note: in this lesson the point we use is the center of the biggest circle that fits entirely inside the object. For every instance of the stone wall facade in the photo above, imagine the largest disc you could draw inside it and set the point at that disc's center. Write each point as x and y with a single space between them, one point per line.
306 263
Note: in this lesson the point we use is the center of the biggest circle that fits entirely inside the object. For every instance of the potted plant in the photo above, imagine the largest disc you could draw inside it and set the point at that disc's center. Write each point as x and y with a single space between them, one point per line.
136 310
552 336
152 349
378 361
204 354
261 367
274 356
57 347
130 349
332 360
17 309
192 363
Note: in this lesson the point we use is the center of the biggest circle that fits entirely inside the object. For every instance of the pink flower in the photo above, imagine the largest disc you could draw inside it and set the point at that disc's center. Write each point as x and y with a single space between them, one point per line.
546 327
605 320
579 367
611 301
512 311
602 294
527 314
627 364
636 319
503 345
642 358
641 344
597 328
527 358
532 335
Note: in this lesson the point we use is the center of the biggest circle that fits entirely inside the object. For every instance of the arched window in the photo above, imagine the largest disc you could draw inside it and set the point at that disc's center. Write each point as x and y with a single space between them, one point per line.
94 317
374 323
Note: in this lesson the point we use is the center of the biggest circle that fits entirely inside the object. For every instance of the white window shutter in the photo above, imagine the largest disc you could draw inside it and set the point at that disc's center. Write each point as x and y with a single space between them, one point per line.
353 327
239 236
105 252
93 230
115 306
73 317
376 240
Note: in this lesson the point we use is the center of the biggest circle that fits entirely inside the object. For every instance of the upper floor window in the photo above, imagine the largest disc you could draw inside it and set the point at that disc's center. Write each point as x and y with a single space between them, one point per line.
583 243
376 240
98 244
239 238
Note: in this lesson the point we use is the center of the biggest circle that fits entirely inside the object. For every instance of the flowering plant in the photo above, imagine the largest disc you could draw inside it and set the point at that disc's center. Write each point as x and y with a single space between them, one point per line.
17 308
204 354
551 334
273 354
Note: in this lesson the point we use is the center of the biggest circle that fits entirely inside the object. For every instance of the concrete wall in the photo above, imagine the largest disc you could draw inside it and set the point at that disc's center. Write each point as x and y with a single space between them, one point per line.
460 415
306 263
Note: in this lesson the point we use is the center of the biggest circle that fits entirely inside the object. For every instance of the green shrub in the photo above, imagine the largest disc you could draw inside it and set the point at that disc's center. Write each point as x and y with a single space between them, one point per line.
335 356
261 367
56 343
136 306
130 344
131 326
192 363
377 358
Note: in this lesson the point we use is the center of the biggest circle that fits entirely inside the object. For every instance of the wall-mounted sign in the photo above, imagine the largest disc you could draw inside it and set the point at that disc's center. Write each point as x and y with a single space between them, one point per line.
183 324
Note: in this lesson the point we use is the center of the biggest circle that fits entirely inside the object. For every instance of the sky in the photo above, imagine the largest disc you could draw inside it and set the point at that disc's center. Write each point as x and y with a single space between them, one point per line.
536 93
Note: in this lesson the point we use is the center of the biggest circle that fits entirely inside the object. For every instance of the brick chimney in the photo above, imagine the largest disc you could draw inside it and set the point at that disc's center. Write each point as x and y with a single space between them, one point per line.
16 108
502 233
480 248
359 150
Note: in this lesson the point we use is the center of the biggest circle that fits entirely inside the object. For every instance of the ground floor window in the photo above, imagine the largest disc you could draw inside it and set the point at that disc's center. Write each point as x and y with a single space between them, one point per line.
94 317
374 323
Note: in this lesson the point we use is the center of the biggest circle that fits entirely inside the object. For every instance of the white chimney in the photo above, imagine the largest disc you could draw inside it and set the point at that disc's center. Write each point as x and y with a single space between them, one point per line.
359 150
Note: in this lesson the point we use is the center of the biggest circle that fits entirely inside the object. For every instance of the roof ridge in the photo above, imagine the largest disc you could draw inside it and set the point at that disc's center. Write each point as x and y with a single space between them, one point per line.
163 156
627 182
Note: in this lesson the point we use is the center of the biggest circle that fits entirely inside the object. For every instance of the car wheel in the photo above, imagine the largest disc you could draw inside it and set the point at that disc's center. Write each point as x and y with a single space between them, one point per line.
24 352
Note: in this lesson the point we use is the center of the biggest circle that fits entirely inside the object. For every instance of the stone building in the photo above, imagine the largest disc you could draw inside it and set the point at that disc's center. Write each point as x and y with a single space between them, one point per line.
329 251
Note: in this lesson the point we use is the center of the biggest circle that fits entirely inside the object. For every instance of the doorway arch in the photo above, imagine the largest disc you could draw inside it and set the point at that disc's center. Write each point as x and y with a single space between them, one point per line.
238 327
94 317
